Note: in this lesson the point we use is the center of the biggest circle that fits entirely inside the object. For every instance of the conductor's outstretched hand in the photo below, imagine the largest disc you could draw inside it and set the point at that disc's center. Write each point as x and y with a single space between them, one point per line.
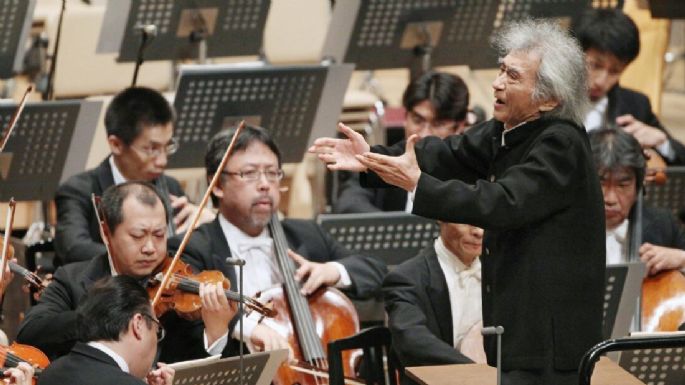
340 154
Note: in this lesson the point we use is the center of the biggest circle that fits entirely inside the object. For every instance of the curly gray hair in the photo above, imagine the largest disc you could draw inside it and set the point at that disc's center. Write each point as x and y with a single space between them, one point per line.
562 73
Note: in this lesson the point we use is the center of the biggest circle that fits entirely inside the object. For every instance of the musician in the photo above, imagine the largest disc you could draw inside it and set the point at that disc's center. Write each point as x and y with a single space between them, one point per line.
136 223
433 301
527 178
22 374
118 336
140 126
621 169
436 103
611 41
247 196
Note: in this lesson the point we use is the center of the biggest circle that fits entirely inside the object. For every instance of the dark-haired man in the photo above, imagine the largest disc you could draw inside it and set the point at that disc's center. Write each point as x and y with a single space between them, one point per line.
247 195
436 103
136 232
621 169
118 334
139 123
611 41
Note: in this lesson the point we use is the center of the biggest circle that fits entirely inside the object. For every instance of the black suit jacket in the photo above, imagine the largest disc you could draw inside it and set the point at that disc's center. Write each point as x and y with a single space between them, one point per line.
537 195
85 365
77 235
625 101
354 198
51 324
661 228
419 313
208 250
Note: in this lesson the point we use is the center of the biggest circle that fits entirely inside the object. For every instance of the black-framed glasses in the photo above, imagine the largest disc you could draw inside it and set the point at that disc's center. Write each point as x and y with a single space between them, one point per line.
254 175
161 332
155 151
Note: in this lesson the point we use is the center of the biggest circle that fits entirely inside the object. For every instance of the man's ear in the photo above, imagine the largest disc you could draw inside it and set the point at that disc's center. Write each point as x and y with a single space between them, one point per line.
136 325
548 106
218 190
116 145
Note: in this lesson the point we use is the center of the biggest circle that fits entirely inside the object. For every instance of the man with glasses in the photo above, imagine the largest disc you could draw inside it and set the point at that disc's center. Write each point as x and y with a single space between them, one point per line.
136 223
118 337
436 104
247 195
139 123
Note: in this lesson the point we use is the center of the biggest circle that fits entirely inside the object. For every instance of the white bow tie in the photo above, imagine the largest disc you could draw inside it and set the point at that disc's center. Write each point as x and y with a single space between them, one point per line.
473 272
263 244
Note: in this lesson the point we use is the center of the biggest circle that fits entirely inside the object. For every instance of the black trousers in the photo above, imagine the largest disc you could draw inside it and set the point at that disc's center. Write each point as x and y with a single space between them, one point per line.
547 376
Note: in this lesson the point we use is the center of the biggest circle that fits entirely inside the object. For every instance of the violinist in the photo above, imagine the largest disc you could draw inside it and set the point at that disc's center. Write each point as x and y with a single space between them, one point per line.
247 195
118 337
611 41
136 222
621 169
140 126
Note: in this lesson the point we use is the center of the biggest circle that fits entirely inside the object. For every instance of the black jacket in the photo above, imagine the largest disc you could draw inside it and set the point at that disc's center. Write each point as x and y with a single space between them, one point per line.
419 313
51 324
354 198
539 200
624 101
86 365
661 228
77 236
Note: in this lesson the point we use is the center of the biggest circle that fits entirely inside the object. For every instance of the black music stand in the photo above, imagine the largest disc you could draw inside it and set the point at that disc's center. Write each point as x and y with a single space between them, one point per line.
183 27
657 366
37 157
392 236
622 289
296 104
259 369
15 22
667 9
394 34
670 195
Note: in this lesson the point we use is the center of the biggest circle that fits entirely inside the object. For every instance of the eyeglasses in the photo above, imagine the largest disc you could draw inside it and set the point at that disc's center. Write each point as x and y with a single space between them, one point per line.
161 332
253 175
156 150
420 120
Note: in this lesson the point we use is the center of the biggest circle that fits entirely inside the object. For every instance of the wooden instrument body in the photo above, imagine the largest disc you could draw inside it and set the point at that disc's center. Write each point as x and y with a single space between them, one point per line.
333 316
663 301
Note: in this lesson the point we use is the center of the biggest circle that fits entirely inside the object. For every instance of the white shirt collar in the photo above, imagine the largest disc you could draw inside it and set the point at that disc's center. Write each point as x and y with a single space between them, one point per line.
508 130
234 236
450 259
596 117
116 173
114 355
616 244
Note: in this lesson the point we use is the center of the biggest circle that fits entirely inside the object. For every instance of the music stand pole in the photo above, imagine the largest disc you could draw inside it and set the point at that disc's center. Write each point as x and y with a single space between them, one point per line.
240 263
498 331
148 33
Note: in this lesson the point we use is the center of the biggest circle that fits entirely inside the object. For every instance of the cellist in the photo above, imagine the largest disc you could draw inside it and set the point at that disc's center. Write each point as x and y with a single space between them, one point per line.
247 195
621 168
136 222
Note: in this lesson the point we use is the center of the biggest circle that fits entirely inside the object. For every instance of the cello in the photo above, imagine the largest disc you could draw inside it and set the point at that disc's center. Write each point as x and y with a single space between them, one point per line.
309 322
663 294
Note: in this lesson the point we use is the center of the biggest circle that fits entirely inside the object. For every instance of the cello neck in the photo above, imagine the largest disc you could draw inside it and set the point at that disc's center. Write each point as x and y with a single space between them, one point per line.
309 341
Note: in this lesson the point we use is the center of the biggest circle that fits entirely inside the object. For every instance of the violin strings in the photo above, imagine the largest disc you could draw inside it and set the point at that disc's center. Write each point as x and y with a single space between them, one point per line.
233 296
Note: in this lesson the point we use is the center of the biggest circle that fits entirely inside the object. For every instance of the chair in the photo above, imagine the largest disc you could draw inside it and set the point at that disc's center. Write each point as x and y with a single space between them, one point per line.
375 343
587 364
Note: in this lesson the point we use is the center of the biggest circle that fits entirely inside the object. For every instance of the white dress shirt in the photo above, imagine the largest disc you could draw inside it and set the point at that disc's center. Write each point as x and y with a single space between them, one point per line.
115 356
463 284
617 244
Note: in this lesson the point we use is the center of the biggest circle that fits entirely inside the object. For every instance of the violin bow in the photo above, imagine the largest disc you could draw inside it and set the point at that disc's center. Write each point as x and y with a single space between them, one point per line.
167 276
8 232
13 120
100 215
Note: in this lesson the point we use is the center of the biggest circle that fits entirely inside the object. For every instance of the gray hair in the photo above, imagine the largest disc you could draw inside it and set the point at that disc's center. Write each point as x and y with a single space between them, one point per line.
562 73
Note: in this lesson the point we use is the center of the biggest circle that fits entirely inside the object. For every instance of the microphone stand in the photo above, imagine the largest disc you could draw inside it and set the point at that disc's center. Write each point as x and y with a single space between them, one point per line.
145 40
49 88
240 263
496 330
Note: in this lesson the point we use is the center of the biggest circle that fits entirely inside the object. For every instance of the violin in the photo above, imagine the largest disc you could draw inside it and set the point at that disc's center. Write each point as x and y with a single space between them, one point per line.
11 356
181 293
33 279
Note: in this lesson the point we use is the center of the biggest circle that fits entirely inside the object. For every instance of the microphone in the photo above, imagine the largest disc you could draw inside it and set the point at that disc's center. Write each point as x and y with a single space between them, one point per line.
492 330
235 261
146 29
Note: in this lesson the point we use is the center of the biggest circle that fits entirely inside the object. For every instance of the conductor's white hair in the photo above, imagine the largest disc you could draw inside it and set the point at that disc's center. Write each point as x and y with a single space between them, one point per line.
562 73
